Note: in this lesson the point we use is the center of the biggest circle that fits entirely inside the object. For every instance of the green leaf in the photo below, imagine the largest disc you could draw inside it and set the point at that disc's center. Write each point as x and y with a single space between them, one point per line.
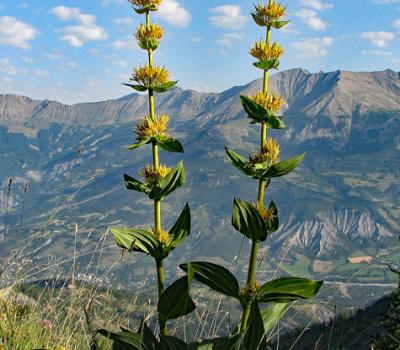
272 314
224 343
240 163
254 338
260 114
149 44
279 24
148 338
174 180
169 144
273 223
124 340
139 143
181 229
267 65
175 301
135 185
136 87
216 277
171 343
247 220
135 240
284 167
288 289
163 87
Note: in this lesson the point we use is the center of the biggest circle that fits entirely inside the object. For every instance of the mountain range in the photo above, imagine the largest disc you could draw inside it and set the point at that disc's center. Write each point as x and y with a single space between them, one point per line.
342 202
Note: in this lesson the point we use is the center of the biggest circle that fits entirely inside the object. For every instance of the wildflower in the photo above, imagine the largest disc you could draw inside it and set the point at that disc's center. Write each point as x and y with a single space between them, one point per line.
145 3
149 128
270 153
269 13
150 75
153 176
148 33
269 101
163 236
268 214
263 52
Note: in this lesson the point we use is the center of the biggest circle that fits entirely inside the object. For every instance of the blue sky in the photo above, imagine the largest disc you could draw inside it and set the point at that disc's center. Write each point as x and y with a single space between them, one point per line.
79 51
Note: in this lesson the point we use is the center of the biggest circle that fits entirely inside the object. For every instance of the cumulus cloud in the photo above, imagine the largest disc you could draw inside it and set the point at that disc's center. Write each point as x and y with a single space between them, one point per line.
313 47
85 30
317 5
16 33
174 13
127 44
41 73
228 17
7 68
123 21
379 39
109 2
310 17
229 39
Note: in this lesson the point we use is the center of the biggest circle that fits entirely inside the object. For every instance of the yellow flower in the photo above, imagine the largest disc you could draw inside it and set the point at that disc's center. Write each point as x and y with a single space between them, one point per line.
145 3
267 214
148 128
269 101
270 153
269 13
163 236
150 75
152 176
262 52
147 33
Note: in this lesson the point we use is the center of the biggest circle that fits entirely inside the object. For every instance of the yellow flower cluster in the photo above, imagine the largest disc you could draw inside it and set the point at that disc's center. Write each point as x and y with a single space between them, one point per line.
271 152
152 176
151 75
147 33
263 52
149 128
164 237
145 3
267 214
270 102
268 13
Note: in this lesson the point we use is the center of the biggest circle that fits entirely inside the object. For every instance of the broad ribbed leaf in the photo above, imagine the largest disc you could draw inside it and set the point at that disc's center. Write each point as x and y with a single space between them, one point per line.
139 143
163 87
148 338
259 114
136 87
216 277
288 289
254 338
135 185
240 162
181 229
135 239
224 343
284 167
169 144
267 65
171 343
175 301
279 24
124 340
247 220
272 314
169 184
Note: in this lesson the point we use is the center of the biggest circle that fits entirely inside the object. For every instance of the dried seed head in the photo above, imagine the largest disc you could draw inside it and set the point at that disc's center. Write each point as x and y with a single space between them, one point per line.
148 128
150 75
270 153
152 176
262 52
151 32
269 101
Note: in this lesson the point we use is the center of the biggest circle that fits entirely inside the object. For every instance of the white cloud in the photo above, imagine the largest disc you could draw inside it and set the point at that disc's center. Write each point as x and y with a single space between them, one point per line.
41 73
23 5
313 47
317 5
109 2
120 63
16 33
387 1
310 17
229 39
379 53
396 23
228 17
27 59
123 21
174 13
127 44
379 39
85 30
196 39
55 55
7 68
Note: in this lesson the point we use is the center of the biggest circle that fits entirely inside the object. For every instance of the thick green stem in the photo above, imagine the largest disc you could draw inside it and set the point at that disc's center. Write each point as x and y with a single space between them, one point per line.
251 280
160 284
